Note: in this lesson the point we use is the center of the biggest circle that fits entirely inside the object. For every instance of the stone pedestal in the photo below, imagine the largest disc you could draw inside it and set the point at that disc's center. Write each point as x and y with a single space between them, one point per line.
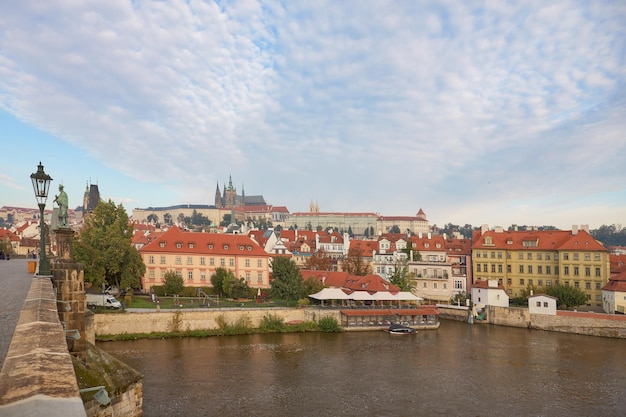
69 283
64 243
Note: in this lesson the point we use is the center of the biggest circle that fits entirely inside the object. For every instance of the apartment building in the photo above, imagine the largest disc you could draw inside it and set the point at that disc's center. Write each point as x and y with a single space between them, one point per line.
196 256
534 258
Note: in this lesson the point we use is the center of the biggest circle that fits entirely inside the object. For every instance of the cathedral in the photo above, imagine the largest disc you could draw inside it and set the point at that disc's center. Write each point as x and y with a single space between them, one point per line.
229 198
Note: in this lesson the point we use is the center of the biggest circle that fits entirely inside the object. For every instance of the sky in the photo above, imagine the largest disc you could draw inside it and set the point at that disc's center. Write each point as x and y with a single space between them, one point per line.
494 112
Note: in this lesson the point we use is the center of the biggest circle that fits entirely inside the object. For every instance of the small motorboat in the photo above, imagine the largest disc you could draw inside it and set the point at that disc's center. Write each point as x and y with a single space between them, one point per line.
400 329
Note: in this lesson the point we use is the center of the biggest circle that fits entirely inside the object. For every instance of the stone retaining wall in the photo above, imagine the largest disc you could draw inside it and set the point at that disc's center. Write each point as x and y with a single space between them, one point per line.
196 319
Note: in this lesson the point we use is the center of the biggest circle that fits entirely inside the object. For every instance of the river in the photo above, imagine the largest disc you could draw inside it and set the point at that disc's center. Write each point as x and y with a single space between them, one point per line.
459 369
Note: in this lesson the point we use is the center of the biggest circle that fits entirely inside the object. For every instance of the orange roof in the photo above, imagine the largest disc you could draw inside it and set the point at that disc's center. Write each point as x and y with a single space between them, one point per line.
328 278
366 246
176 240
485 284
616 283
541 240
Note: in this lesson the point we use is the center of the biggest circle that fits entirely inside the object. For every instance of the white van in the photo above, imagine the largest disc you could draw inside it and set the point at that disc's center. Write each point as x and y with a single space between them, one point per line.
102 300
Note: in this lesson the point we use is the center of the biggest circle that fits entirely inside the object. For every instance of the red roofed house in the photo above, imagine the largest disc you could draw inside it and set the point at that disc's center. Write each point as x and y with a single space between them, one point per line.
542 258
614 294
196 256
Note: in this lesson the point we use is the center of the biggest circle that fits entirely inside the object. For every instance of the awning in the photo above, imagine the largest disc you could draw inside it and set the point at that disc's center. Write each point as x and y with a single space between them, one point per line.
330 294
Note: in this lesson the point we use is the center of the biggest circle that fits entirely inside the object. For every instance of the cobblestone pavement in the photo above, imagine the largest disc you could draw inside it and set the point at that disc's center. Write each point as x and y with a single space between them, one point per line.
15 281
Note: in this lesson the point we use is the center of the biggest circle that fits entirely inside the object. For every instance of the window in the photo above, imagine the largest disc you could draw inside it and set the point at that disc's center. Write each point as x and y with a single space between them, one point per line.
566 270
576 271
530 282
598 297
508 269
538 303
596 257
566 256
425 286
587 285
226 247
509 281
477 254
259 263
520 255
529 255
530 269
499 255
493 268
190 276
547 256
247 263
493 254
189 260
484 267
575 256
222 262
231 262
545 304
259 277
202 276
556 257
458 285
151 274
192 245
540 282
597 272
162 260
597 285
521 269
477 267
445 286
521 282
556 270
548 283
587 256
539 256
151 259
247 276
500 268
212 261
587 271
540 269
548 269
179 245
576 284
435 285
162 244
179 261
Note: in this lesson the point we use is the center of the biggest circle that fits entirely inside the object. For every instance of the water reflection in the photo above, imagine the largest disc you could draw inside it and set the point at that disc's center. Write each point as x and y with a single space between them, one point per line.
459 369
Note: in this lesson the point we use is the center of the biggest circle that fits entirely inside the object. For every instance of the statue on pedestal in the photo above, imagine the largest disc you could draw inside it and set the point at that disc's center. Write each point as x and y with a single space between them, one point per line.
63 202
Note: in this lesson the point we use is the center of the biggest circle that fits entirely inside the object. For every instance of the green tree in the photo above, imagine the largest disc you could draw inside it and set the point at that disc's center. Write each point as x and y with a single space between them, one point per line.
401 277
355 264
219 277
287 279
311 285
569 297
238 288
173 283
226 220
104 247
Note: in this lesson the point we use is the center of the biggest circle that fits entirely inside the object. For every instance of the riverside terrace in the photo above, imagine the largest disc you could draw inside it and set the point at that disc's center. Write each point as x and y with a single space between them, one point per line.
359 318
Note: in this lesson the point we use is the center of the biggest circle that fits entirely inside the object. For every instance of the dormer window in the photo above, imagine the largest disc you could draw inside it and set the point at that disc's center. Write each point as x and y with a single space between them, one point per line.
240 247
210 246
226 247
179 245
249 247
162 244
191 245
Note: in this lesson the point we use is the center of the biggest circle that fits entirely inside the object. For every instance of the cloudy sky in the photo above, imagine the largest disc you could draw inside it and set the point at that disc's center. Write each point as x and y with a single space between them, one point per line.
478 112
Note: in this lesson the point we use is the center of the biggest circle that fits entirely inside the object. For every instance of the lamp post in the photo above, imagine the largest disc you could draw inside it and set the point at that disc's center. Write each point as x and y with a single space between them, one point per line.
41 185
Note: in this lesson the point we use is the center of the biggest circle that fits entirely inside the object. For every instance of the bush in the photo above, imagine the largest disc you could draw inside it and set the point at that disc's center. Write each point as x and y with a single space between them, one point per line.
329 325
271 323
159 290
303 302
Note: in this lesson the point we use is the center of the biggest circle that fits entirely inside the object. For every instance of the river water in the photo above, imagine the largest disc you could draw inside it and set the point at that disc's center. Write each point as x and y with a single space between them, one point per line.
459 369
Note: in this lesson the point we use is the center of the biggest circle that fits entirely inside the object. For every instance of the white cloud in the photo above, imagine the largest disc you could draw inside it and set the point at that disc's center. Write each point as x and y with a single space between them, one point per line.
356 104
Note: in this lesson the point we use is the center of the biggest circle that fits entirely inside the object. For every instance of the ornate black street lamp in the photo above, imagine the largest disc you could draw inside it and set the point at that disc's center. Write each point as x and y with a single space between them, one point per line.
41 185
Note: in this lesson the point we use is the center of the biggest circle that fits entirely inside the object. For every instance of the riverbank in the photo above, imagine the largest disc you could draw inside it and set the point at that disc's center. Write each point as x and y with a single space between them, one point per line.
564 321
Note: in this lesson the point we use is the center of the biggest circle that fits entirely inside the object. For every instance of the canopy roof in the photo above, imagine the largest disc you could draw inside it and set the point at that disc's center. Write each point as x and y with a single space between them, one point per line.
340 294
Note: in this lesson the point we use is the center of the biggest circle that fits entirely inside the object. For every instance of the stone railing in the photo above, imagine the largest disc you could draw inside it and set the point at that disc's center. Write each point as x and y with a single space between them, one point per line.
37 378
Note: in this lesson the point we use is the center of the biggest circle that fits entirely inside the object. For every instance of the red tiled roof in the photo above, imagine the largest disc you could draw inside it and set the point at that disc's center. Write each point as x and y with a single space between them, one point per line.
193 242
542 239
616 283
485 284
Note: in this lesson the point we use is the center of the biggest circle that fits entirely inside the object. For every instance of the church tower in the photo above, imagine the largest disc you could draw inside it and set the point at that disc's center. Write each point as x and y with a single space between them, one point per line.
230 194
218 197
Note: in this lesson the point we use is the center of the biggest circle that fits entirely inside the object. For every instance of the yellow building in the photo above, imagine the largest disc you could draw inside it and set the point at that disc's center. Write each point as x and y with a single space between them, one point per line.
196 256
522 259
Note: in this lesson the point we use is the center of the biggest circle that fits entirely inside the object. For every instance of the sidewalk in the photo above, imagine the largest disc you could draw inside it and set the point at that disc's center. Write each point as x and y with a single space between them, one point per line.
15 281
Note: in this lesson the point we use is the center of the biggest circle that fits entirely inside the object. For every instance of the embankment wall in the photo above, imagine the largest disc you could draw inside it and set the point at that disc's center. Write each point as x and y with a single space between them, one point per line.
192 320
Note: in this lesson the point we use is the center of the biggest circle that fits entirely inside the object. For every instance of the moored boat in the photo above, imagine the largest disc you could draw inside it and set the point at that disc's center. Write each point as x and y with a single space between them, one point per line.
400 329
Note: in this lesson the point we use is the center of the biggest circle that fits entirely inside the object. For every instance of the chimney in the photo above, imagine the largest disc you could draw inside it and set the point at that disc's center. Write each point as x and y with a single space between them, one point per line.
484 229
574 229
429 235
585 227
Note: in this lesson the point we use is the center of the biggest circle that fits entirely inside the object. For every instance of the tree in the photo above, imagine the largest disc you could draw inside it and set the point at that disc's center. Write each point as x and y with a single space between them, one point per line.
319 261
220 276
311 285
226 220
401 277
173 283
198 219
153 218
104 247
237 288
354 264
287 280
569 297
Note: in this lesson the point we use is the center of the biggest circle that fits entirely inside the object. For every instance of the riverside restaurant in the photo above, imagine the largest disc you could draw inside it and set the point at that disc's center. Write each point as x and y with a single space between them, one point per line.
363 310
